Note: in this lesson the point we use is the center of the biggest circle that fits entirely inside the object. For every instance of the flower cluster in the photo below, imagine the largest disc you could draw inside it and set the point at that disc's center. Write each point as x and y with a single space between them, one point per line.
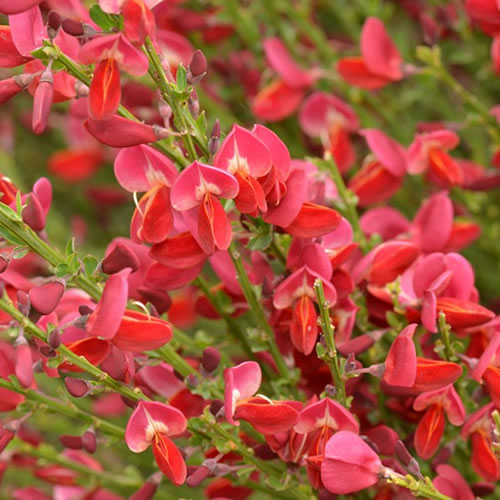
285 301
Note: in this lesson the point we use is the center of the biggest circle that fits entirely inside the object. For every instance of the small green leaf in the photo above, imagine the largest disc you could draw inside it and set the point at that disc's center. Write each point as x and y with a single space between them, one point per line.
105 21
19 204
70 247
19 252
90 264
260 241
181 77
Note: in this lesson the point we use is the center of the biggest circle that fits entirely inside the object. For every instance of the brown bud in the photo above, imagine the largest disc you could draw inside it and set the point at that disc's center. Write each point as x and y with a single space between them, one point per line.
77 387
119 258
54 21
210 359
73 28
71 442
197 67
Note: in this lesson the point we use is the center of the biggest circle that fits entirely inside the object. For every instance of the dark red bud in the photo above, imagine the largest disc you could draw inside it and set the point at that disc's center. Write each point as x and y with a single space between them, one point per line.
45 298
73 28
72 442
47 351
197 67
161 300
54 339
89 441
215 406
34 214
263 452
402 453
210 359
129 402
85 310
54 21
77 387
214 141
119 258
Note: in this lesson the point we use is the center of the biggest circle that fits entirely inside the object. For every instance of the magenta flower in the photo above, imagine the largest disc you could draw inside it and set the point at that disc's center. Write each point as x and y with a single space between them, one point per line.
196 193
153 423
267 416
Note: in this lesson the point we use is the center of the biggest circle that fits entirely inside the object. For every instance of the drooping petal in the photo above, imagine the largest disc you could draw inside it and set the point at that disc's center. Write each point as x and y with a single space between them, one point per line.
429 432
304 325
105 90
214 226
169 459
401 361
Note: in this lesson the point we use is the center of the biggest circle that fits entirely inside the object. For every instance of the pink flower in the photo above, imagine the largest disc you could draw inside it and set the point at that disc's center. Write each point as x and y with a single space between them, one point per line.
380 62
153 423
196 192
349 464
269 417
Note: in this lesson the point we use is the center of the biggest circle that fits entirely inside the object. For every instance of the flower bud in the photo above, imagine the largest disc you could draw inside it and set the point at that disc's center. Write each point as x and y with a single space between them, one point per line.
77 387
210 359
71 442
160 300
73 28
54 21
85 310
404 456
42 102
197 67
119 258
47 351
148 489
216 406
45 298
89 441
214 141
54 339
34 214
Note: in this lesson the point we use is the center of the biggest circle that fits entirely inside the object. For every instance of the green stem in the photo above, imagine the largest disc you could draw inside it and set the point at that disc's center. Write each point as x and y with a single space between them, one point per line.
328 333
168 354
233 326
12 225
65 408
417 487
259 314
444 331
186 125
79 361
348 200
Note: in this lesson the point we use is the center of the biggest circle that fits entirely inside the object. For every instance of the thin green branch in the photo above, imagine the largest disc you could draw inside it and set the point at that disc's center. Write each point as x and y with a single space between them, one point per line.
328 333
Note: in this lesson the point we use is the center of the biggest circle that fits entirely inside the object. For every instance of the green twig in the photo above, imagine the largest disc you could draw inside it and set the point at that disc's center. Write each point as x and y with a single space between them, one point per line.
328 333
